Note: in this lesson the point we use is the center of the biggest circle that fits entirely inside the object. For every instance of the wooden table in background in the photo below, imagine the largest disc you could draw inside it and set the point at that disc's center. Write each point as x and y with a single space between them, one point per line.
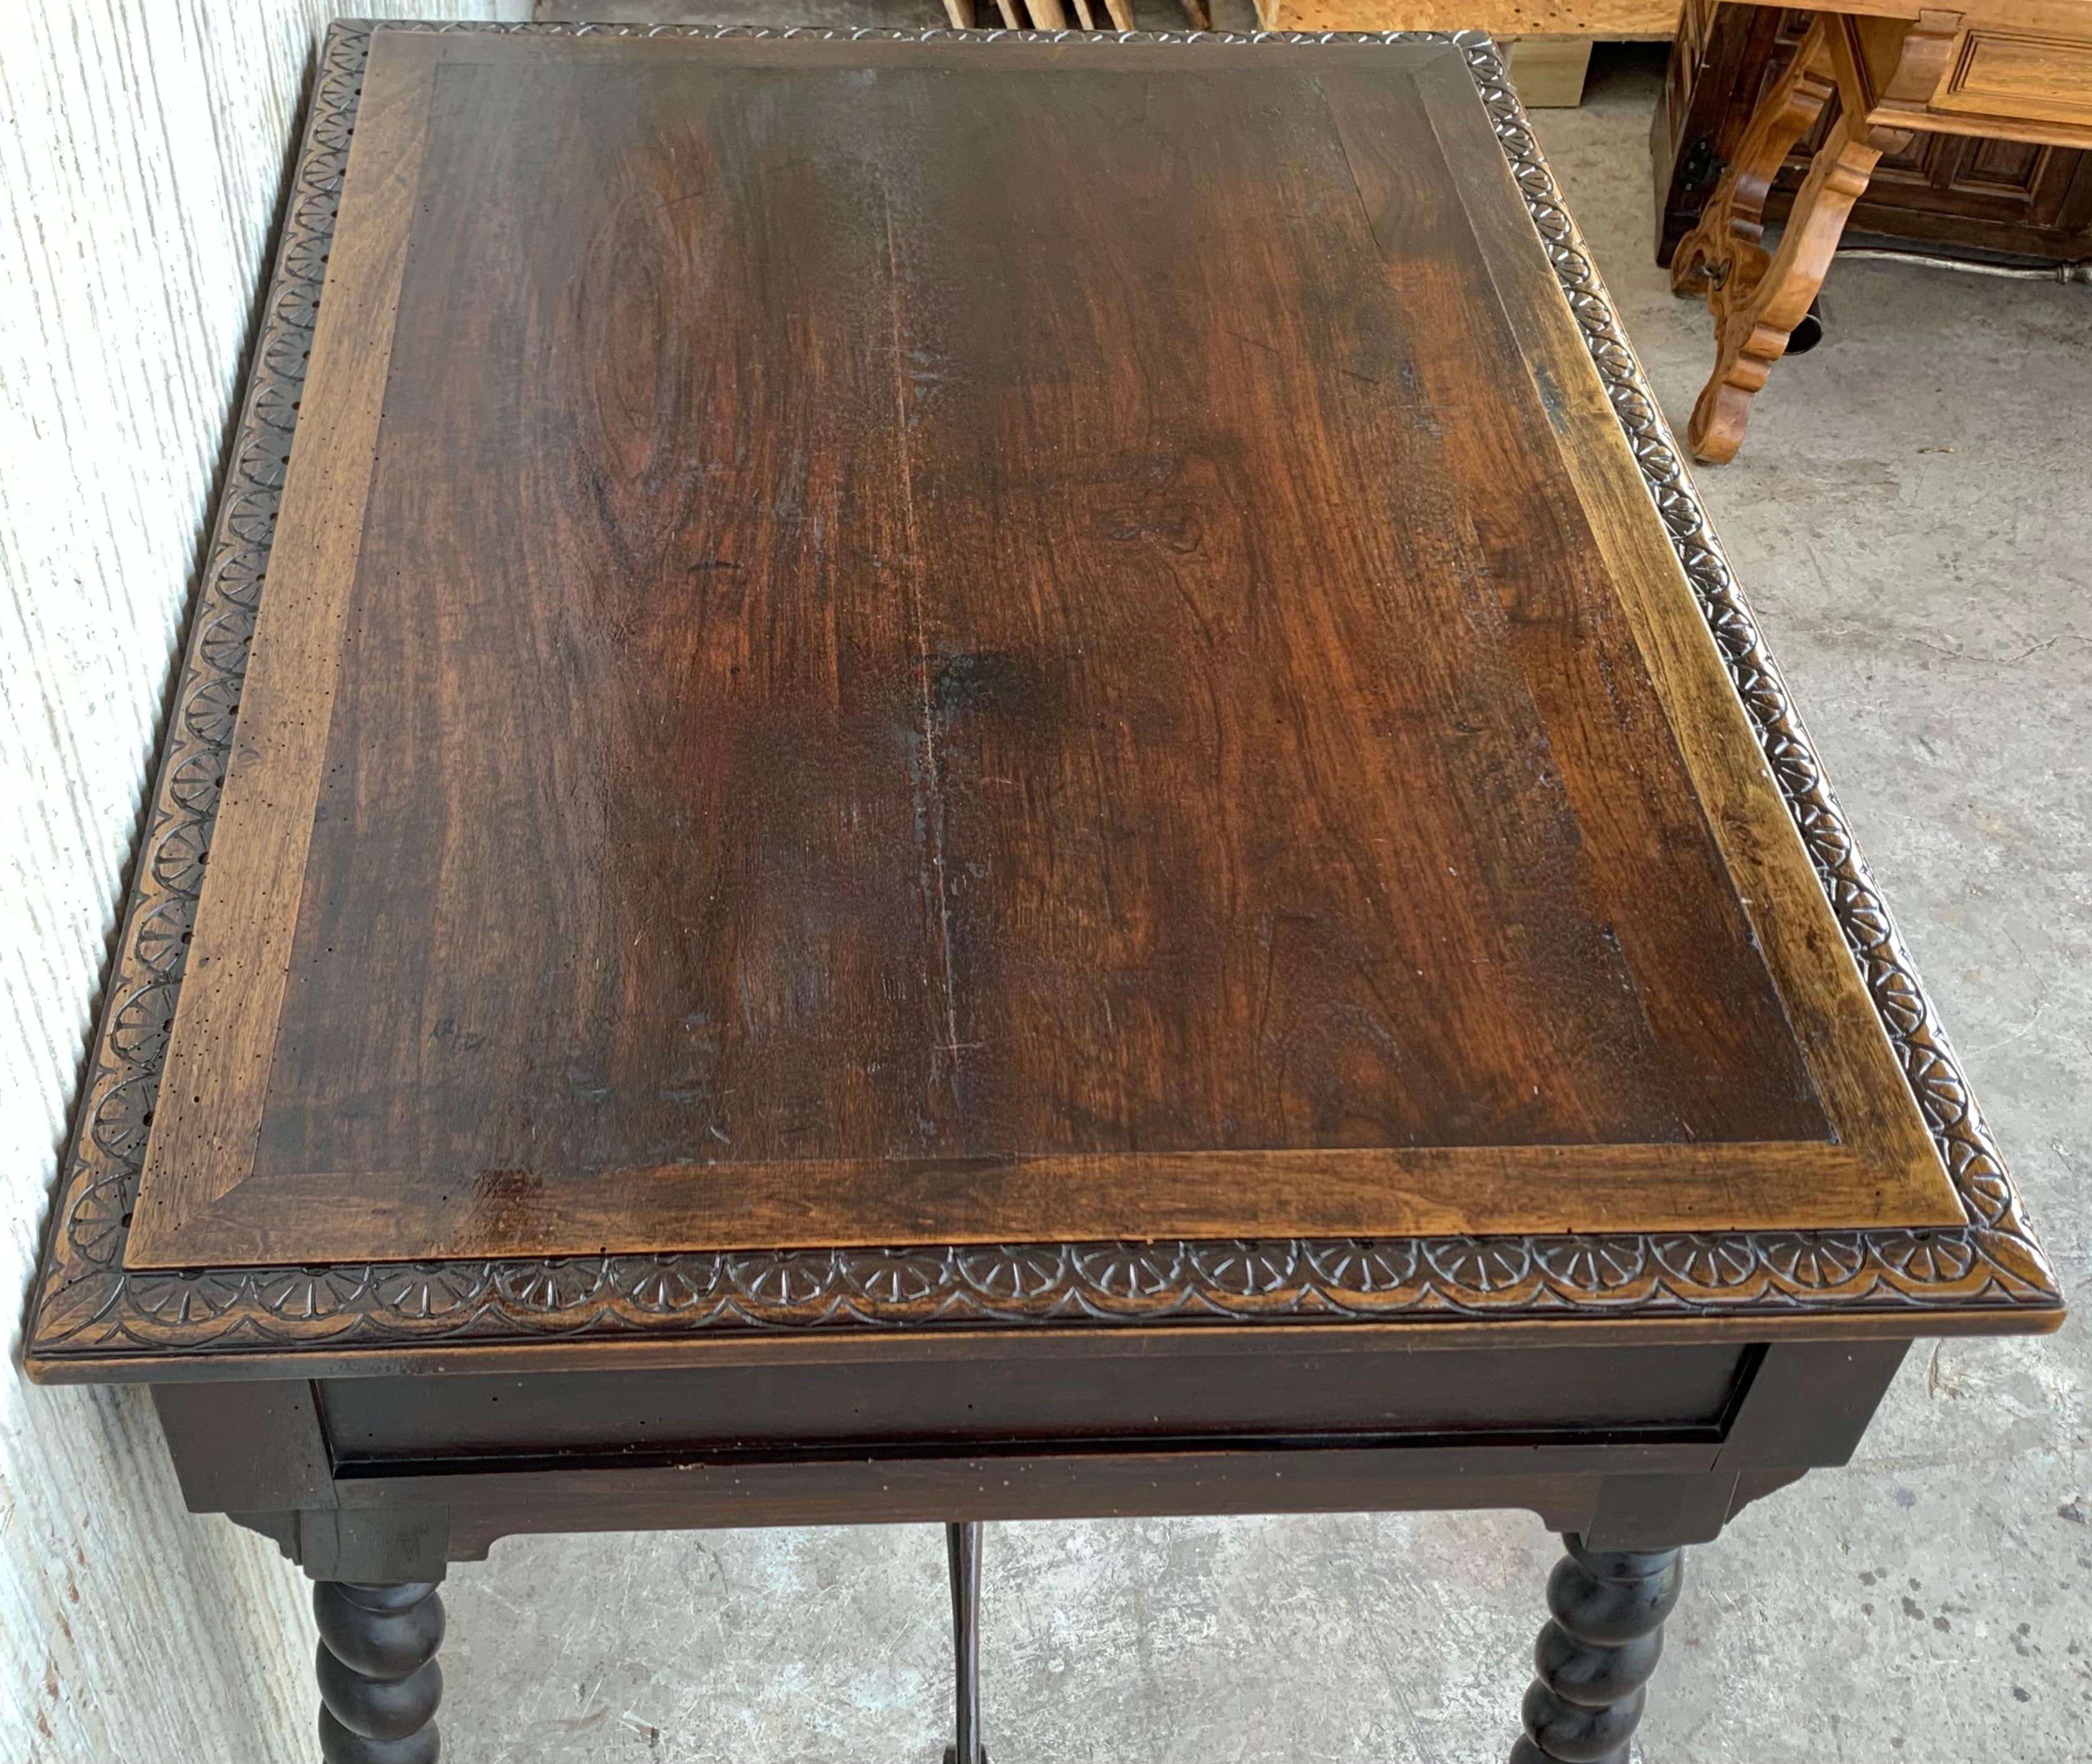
2024 203
1548 42
2012 70
859 869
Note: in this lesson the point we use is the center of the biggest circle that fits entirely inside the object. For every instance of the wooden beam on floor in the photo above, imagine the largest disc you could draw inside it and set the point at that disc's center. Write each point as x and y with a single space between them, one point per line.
1549 70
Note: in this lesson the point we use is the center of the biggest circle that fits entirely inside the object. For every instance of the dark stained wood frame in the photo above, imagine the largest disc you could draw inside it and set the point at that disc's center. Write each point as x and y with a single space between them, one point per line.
269 1453
98 1318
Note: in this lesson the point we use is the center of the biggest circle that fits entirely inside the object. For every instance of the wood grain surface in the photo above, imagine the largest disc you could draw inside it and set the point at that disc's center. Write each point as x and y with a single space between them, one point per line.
850 716
266 814
2058 17
1610 19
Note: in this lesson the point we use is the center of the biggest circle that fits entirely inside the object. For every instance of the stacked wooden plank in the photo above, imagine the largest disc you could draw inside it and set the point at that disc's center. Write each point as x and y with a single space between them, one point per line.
1063 15
1550 39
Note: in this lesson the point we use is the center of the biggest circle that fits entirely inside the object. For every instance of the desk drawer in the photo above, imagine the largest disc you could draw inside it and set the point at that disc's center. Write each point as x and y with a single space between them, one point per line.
2047 79
1183 1393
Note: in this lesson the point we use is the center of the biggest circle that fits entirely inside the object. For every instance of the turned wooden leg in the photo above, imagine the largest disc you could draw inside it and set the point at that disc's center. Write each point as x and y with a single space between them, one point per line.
1595 1653
379 1681
962 1547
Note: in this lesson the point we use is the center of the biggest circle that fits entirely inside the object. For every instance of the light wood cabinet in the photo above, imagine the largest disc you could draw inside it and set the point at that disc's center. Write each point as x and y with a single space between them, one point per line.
1880 74
1976 196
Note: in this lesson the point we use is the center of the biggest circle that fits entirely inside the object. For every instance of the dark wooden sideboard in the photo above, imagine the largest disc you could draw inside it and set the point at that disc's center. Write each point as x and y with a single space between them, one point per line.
2013 202
822 858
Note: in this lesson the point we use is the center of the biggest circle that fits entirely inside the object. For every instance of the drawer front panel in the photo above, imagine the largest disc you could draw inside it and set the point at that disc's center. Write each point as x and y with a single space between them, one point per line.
2039 78
1573 1393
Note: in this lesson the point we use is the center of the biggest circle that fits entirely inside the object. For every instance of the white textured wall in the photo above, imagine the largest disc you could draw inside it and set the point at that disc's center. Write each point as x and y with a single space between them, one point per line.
143 144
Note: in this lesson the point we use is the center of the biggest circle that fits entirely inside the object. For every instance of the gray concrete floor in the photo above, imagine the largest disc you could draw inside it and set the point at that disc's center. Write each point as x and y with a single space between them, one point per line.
1913 516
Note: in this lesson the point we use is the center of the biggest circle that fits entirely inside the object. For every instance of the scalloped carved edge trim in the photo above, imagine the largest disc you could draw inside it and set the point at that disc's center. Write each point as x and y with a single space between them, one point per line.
89 1305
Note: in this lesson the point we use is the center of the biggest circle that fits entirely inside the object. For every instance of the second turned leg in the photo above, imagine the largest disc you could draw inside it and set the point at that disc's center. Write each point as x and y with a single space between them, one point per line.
962 1547
379 1681
1595 1653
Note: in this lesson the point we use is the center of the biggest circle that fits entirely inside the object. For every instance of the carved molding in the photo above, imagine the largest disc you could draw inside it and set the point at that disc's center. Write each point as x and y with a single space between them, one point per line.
91 1306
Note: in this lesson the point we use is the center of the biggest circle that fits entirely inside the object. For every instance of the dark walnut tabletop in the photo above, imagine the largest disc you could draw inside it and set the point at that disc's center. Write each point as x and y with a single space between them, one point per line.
838 723
973 776
930 682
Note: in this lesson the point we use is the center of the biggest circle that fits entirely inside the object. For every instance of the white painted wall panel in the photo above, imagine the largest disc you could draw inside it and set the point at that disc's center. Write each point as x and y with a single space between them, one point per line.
143 144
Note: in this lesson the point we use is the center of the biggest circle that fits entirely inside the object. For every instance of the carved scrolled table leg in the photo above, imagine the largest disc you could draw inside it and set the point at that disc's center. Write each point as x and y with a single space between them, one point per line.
1717 254
963 1545
379 1680
1594 1655
1758 297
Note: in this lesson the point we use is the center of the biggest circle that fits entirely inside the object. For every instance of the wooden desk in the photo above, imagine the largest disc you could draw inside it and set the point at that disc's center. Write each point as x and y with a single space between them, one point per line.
859 871
2016 70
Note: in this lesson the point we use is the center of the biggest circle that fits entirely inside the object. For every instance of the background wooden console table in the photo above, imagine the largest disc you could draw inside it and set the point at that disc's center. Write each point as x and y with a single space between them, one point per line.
2010 70
1961 196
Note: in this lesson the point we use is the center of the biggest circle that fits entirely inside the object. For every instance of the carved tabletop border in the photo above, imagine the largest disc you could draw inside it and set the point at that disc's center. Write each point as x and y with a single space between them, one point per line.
90 1306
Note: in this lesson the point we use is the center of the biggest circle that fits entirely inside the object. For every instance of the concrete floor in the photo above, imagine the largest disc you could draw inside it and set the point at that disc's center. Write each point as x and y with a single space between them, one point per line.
1913 516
